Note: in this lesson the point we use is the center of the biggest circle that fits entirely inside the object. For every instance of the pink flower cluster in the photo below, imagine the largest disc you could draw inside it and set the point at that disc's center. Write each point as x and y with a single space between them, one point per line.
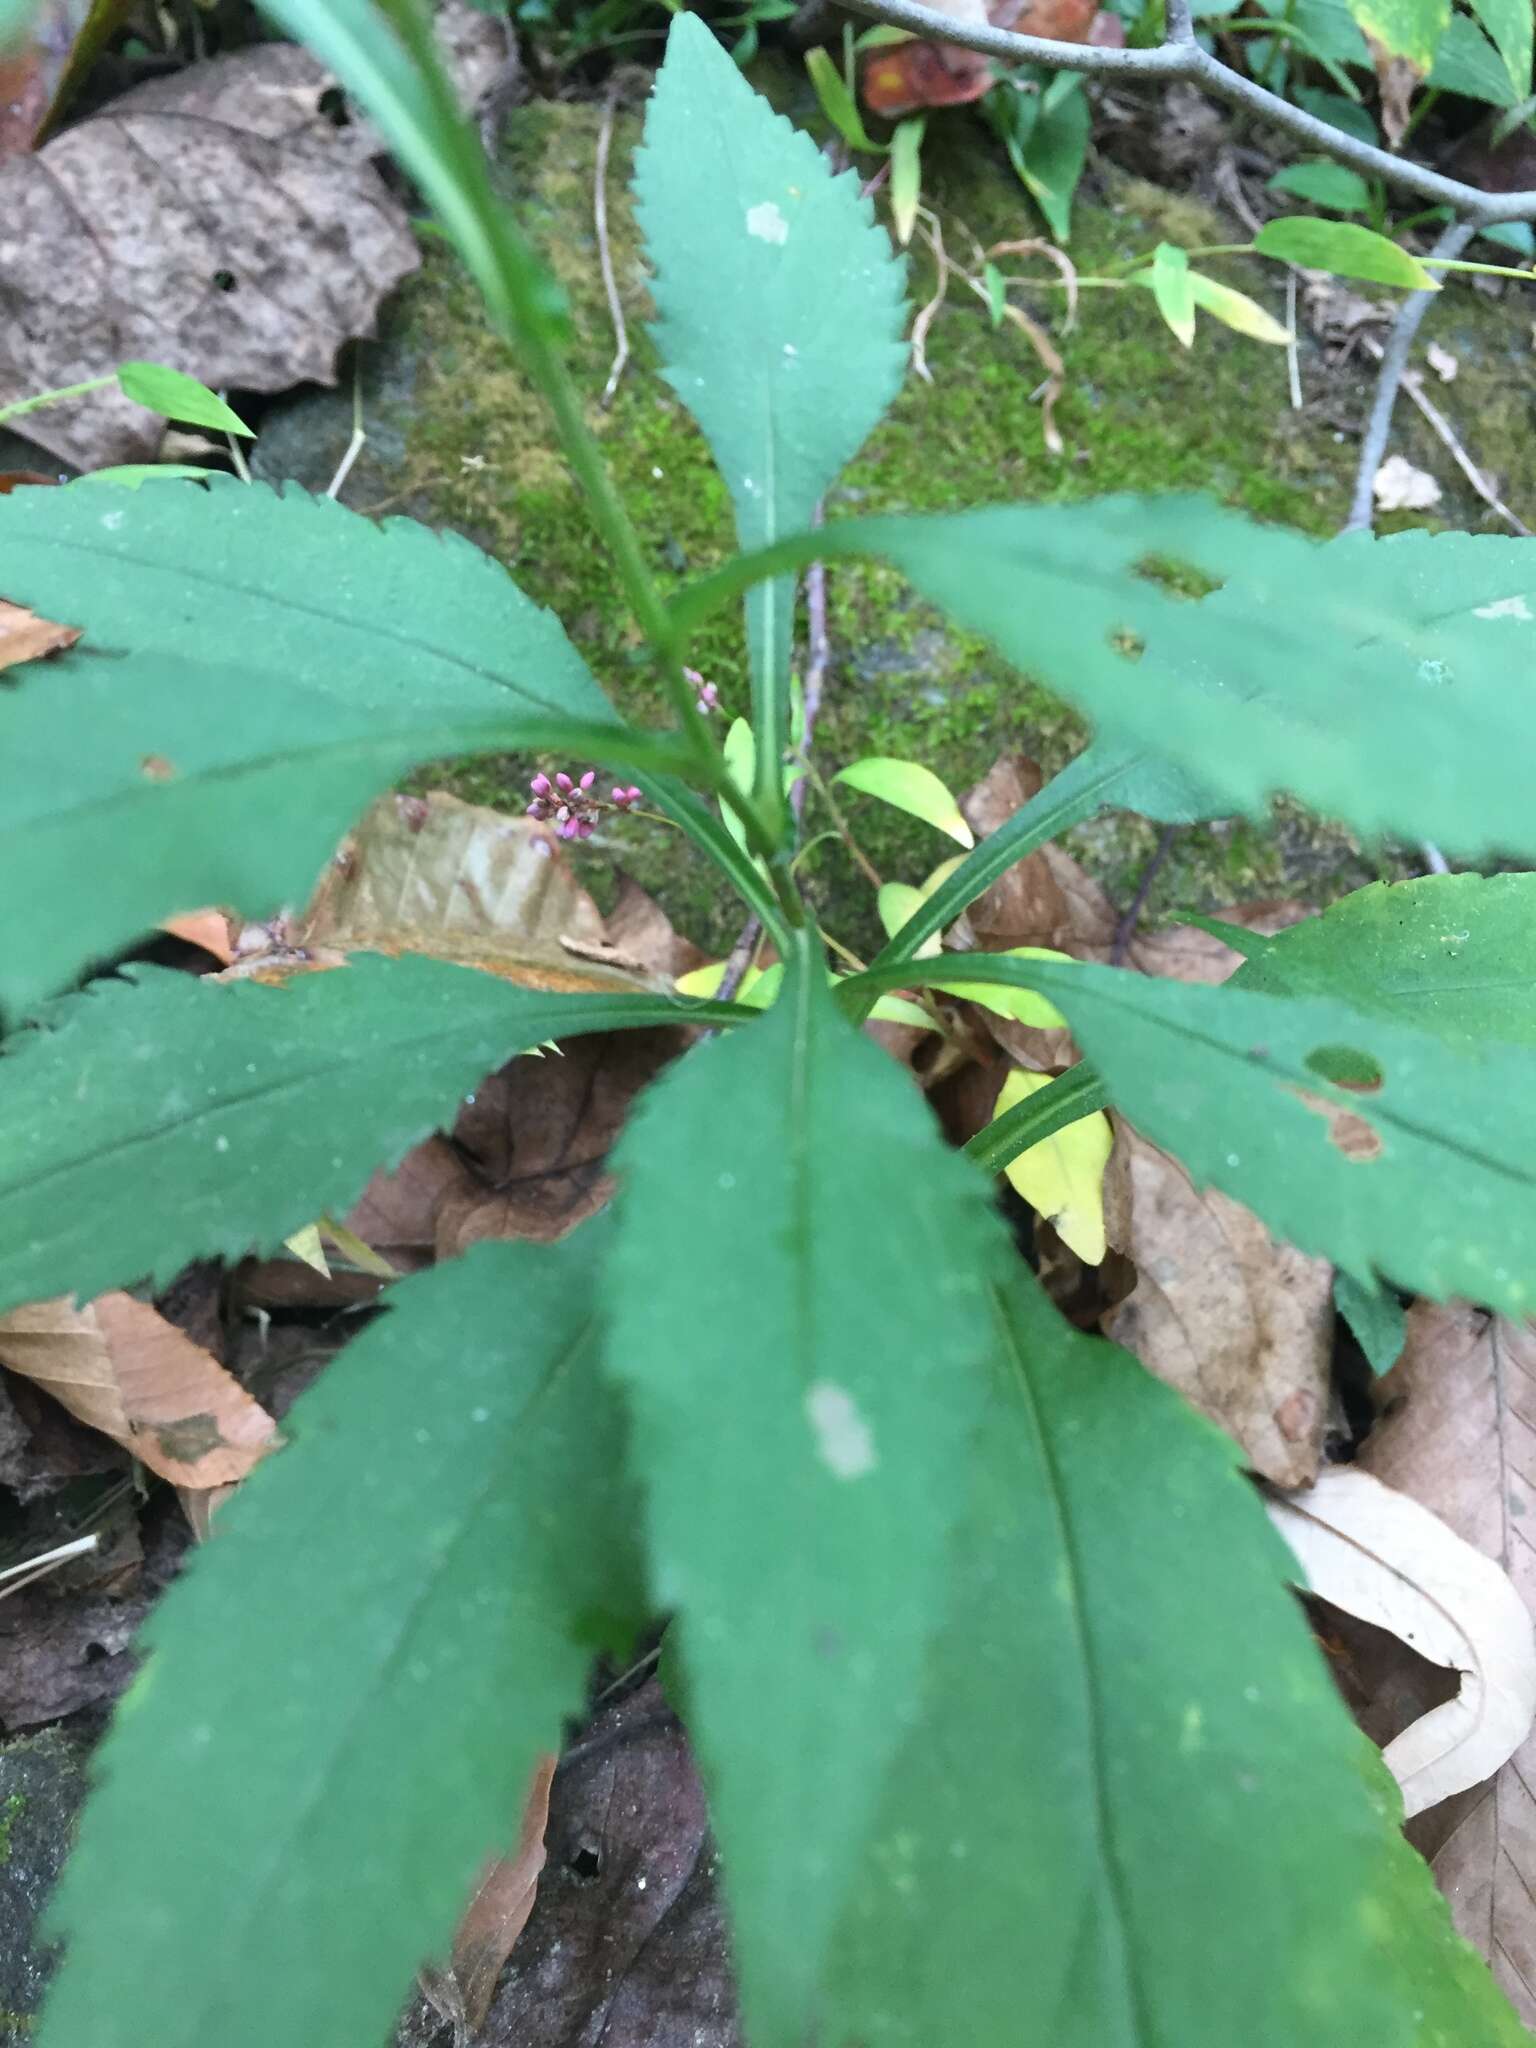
709 693
571 806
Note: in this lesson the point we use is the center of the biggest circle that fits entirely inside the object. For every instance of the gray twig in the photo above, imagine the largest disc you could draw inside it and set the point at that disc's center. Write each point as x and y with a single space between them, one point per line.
1182 57
1125 930
741 958
604 251
1394 360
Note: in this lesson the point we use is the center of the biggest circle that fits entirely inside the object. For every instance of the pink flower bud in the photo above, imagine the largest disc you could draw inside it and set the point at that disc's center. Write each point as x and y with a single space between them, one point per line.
564 784
540 785
588 779
584 828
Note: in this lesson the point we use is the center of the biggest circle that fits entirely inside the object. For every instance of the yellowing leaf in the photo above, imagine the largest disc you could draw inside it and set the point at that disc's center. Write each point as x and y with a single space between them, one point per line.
897 1010
1237 310
1173 289
1021 1004
759 985
1063 1176
910 787
305 1244
897 902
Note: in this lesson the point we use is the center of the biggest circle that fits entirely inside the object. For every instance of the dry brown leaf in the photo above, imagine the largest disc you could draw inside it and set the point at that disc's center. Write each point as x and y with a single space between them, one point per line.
217 221
1187 952
206 928
495 1916
429 874
1396 79
1377 1553
26 637
1458 1433
1241 1325
121 1367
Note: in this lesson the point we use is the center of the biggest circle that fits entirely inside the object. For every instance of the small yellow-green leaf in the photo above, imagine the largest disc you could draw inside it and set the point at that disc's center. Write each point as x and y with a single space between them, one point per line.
906 176
305 1244
1345 249
1237 310
897 1010
352 1247
1003 1001
897 902
910 787
1063 1176
837 102
1173 290
1405 28
176 396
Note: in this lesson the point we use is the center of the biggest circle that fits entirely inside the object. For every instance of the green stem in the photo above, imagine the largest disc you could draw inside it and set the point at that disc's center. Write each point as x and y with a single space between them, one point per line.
1069 1098
21 405
1477 269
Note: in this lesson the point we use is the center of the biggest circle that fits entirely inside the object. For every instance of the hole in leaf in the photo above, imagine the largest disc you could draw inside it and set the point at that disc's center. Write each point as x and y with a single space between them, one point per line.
157 769
224 281
1178 579
1350 1134
587 1863
1127 643
332 104
1346 1067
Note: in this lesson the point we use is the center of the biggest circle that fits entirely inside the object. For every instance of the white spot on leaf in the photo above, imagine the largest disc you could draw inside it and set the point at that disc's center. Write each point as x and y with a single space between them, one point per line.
1505 608
766 223
844 1441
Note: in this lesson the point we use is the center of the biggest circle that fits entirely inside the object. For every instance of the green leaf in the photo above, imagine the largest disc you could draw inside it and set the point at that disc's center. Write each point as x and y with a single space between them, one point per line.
1454 955
800 1317
1404 28
837 102
241 692
348 1690
1376 1317
1065 1851
1172 289
1062 1176
1377 1145
1466 62
1244 691
909 786
1345 249
780 309
130 476
385 55
1077 1093
1051 160
1236 310
1339 112
178 397
248 1109
1324 184
907 180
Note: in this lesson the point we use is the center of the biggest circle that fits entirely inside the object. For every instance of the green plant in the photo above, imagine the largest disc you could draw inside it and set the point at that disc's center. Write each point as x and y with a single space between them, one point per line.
1011 1727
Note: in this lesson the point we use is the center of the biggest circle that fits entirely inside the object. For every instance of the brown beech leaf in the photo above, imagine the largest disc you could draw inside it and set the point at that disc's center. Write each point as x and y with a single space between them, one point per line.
121 1367
1241 1325
1378 1554
1187 952
216 221
429 874
1458 1433
26 637
495 1916
1397 79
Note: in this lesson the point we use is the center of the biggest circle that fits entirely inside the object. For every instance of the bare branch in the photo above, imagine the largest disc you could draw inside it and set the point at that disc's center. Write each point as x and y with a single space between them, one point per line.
1394 361
1179 58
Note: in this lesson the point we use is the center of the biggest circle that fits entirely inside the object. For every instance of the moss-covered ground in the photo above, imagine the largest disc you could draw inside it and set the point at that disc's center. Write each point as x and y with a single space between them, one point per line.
1138 413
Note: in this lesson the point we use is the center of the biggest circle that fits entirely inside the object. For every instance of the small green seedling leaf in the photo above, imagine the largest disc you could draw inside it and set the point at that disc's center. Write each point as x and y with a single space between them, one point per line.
1375 1314
1508 23
997 292
248 1108
837 102
801 1200
909 787
1345 249
1322 183
1063 1176
907 176
348 1690
176 396
1173 291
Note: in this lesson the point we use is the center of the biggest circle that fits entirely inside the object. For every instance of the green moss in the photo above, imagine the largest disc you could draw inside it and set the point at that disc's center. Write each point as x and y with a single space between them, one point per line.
11 1812
1137 413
